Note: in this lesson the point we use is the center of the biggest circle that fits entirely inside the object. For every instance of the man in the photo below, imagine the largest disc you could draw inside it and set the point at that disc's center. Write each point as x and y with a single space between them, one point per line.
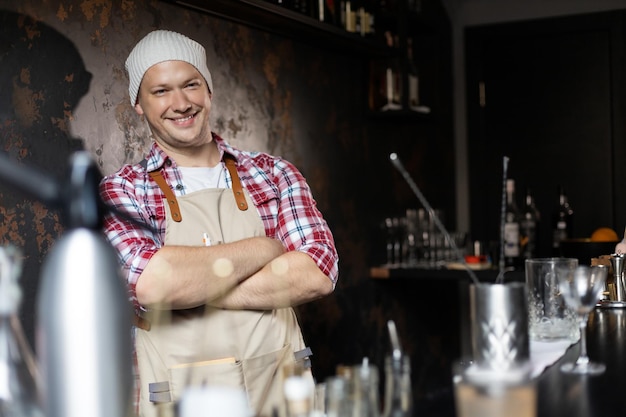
237 241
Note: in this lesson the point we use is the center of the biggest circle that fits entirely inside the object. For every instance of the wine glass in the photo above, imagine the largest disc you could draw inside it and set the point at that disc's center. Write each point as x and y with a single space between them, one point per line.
581 290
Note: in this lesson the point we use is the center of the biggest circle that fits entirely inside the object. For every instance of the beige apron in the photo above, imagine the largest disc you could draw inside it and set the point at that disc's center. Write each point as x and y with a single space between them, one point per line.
205 345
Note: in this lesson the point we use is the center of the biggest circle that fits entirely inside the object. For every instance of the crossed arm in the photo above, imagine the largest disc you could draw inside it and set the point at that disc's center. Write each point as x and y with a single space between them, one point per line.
254 273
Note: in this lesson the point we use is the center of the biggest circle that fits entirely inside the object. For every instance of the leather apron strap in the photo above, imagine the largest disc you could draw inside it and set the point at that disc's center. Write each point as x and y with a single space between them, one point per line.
169 195
231 165
240 198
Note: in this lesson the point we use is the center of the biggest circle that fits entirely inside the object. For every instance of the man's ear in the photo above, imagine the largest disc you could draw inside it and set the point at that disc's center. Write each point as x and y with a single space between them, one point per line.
138 109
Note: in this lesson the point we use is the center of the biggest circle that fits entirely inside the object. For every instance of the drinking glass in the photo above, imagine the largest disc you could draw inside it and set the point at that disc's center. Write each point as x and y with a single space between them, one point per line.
549 318
581 289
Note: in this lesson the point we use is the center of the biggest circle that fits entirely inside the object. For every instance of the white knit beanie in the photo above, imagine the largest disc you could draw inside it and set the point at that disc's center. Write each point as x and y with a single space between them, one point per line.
159 46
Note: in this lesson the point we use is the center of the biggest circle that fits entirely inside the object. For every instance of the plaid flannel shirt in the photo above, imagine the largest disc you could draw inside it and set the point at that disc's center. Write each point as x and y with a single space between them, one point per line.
279 191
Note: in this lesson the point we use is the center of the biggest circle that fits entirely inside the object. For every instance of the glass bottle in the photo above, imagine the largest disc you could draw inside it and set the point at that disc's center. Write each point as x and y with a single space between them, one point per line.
413 78
562 222
338 403
210 400
19 381
398 392
298 396
365 390
393 78
364 19
530 219
512 252
411 238
349 15
327 11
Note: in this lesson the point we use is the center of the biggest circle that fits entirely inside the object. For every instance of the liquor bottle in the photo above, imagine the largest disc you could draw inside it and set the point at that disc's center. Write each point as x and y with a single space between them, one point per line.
19 393
530 219
562 222
383 78
512 252
327 12
393 78
364 17
414 100
349 15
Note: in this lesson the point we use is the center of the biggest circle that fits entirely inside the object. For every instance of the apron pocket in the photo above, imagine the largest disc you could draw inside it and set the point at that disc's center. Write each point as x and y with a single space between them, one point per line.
264 379
223 372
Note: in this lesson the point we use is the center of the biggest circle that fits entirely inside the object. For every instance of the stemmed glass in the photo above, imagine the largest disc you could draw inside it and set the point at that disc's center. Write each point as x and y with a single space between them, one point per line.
581 290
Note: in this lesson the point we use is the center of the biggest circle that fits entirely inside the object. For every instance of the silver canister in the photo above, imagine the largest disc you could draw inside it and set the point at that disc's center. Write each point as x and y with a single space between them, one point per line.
616 286
499 321
84 330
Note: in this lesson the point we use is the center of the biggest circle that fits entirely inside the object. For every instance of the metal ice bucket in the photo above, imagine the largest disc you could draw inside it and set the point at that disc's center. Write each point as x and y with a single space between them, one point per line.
499 320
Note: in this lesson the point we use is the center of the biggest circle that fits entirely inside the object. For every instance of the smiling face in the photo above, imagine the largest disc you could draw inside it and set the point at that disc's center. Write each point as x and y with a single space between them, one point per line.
175 100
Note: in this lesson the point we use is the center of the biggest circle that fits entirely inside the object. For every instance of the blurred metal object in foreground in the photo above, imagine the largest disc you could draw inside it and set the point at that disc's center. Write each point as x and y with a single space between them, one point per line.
83 315
84 330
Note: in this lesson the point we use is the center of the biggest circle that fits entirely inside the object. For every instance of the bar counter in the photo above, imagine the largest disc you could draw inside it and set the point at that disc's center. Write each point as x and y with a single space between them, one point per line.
563 395
558 394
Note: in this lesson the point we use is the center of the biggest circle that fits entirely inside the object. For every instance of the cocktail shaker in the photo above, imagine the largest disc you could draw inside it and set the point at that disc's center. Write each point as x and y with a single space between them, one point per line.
617 287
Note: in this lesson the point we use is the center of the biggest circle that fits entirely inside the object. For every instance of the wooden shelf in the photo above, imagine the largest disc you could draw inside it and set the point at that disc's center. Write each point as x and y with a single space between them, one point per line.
485 275
275 19
404 116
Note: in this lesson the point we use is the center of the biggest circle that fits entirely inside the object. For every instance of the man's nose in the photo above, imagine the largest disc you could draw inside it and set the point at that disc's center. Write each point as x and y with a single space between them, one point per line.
180 101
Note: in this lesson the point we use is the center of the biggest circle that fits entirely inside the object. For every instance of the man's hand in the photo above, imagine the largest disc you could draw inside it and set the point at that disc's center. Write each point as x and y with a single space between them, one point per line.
188 276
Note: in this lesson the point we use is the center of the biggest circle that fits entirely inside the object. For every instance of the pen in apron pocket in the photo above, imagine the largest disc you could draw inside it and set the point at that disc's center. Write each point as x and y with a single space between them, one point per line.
206 239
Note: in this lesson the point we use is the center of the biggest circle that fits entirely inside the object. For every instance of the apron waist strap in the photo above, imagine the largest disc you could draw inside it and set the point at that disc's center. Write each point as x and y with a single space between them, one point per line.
140 322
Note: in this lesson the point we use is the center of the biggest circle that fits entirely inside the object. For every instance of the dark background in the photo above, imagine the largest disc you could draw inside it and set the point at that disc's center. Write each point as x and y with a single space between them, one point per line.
554 103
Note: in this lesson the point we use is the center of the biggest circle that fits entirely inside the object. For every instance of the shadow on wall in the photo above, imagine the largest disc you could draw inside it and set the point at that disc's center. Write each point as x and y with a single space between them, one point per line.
42 80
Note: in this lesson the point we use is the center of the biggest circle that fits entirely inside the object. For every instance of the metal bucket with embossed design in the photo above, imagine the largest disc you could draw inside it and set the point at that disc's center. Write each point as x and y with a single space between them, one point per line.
498 379
499 320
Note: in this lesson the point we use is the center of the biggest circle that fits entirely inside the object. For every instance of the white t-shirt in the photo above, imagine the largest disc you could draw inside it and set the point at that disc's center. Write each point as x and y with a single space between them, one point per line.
200 178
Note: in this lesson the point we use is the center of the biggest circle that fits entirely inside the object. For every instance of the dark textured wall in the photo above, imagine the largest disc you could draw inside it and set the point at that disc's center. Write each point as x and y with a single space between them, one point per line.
63 87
